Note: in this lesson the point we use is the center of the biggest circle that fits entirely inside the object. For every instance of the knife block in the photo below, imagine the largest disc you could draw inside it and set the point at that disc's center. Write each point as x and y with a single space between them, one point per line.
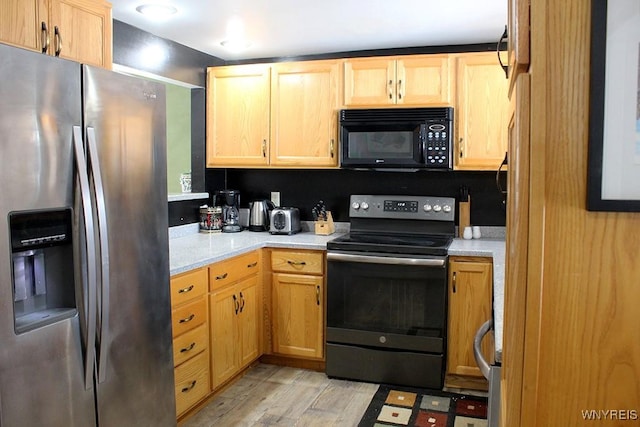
325 228
464 214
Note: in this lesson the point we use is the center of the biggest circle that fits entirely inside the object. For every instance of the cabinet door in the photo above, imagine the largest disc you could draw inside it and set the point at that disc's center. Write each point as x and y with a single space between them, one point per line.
81 30
298 324
470 293
224 307
518 40
482 112
238 115
423 80
21 23
304 113
249 320
369 82
515 290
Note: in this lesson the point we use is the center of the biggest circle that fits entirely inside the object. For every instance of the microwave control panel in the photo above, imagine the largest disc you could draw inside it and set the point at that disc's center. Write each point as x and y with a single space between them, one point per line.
436 138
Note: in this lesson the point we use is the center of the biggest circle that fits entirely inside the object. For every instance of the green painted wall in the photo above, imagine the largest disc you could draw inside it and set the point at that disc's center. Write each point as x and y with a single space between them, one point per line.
178 135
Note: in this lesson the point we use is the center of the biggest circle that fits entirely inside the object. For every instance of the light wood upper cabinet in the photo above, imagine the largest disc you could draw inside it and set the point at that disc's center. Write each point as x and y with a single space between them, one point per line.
21 23
80 30
470 293
238 115
415 80
304 113
279 115
482 112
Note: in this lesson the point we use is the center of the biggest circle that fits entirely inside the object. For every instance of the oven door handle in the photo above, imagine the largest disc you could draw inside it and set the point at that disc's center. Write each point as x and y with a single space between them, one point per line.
371 259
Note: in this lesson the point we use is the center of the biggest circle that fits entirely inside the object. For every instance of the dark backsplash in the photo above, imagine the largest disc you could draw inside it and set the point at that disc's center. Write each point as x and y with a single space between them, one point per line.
304 188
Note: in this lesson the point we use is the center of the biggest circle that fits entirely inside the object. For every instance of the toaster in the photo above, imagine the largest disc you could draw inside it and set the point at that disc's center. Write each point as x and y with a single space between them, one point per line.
284 221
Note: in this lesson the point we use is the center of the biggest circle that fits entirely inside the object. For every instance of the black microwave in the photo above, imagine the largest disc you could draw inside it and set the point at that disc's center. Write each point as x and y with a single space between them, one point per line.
398 138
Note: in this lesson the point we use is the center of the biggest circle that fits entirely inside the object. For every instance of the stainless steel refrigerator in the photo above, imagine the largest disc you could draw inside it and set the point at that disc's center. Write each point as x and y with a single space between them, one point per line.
85 331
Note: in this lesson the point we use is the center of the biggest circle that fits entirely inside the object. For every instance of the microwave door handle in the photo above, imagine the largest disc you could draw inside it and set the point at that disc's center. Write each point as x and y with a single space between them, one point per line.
423 144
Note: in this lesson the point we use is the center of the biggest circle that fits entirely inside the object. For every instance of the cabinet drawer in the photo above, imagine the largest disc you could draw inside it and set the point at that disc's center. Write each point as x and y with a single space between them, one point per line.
232 270
192 382
297 262
188 316
189 344
188 286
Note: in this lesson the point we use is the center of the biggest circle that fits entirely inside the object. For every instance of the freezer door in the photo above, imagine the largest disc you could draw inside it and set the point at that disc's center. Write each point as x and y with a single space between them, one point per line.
126 137
41 367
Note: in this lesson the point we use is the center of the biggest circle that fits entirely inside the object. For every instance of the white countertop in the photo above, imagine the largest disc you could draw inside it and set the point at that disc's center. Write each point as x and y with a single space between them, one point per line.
189 250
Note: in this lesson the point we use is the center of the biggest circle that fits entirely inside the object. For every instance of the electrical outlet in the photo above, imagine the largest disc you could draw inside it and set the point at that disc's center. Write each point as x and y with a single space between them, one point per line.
275 198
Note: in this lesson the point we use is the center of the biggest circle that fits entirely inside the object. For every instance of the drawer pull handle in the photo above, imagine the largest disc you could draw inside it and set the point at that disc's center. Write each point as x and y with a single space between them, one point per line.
253 264
186 349
318 295
222 276
189 387
236 304
185 290
187 319
296 262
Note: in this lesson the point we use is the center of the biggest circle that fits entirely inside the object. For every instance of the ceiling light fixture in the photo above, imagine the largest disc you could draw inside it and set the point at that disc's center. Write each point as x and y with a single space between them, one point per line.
156 10
235 44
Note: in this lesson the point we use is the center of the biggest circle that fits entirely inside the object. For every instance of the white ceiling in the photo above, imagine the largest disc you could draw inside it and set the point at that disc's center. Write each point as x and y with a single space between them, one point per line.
280 28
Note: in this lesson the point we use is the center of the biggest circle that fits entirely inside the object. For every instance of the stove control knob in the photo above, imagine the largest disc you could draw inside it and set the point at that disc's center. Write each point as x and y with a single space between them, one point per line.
427 208
446 208
365 205
437 208
355 205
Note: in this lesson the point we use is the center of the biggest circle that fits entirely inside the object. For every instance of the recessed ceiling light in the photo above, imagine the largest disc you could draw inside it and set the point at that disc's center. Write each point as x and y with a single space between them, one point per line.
156 10
235 44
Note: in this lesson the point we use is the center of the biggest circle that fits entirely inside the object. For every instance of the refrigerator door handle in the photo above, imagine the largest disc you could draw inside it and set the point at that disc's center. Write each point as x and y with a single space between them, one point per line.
104 253
90 305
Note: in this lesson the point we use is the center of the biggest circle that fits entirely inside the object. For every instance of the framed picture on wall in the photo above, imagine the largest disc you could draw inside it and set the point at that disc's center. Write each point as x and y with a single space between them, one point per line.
613 176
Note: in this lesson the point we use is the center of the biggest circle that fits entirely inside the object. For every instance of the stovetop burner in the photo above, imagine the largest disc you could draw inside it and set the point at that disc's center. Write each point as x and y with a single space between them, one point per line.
420 225
385 243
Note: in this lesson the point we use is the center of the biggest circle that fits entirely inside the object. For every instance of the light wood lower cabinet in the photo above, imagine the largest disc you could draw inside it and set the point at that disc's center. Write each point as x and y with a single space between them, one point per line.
470 296
235 307
298 303
189 321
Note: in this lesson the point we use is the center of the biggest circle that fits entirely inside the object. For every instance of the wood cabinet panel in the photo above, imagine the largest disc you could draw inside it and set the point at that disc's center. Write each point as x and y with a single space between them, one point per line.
298 309
21 23
304 113
238 115
235 329
518 40
411 80
82 31
190 343
188 316
301 262
470 296
482 112
230 271
188 286
191 382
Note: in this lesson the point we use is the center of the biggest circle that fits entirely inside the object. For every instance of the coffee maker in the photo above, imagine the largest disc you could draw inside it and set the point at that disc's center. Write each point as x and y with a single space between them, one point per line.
229 200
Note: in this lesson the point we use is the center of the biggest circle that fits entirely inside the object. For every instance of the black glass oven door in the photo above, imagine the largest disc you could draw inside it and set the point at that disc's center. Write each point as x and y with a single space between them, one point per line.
380 301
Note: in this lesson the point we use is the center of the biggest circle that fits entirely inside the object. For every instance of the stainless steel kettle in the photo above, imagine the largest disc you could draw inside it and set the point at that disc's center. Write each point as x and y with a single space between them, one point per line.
259 211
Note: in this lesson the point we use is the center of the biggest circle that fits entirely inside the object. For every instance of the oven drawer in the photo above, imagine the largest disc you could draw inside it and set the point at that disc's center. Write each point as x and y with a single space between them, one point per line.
384 366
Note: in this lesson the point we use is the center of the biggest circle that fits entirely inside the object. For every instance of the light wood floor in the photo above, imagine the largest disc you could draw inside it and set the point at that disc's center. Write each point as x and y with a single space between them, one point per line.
271 395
